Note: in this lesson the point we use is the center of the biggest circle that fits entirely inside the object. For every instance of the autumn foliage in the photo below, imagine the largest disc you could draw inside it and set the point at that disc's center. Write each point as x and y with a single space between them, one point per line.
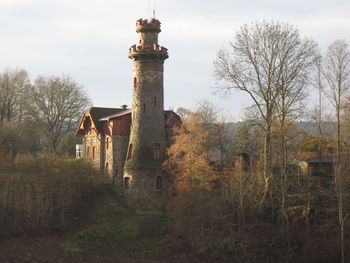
189 158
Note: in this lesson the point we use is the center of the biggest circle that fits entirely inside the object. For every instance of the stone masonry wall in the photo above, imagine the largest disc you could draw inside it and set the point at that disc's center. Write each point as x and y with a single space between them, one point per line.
120 147
148 142
92 150
147 114
109 156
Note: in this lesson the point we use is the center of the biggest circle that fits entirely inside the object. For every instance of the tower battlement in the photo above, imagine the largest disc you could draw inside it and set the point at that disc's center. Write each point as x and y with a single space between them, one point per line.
155 49
148 47
148 25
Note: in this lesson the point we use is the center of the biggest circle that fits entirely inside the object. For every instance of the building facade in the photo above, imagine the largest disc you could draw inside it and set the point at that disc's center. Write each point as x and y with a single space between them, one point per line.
129 145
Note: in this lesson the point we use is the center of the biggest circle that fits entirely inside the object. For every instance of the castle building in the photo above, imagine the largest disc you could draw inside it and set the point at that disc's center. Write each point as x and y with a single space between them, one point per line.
129 145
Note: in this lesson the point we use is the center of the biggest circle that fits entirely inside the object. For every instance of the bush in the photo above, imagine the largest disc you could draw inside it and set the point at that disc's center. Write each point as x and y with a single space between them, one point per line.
6 162
42 193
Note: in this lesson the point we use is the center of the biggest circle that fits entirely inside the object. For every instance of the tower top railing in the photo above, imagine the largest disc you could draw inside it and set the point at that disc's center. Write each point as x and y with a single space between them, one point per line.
148 25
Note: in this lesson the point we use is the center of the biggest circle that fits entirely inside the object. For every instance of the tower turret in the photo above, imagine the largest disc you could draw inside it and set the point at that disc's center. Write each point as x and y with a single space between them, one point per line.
144 181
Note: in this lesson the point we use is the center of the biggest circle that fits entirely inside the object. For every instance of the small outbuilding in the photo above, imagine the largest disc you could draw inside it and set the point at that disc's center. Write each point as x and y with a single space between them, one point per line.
321 166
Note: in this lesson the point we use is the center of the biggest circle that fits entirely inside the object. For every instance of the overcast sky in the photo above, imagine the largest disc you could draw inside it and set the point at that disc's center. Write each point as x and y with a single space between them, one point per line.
89 40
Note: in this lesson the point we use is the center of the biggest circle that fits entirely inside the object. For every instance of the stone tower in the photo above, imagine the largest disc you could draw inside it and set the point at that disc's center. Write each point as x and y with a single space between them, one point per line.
144 182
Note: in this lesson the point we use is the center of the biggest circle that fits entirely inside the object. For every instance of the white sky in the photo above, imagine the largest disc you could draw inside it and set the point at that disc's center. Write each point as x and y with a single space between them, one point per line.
89 40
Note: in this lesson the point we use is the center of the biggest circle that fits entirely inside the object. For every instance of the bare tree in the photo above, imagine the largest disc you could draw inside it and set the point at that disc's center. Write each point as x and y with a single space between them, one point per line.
13 84
318 83
292 93
55 104
337 75
266 60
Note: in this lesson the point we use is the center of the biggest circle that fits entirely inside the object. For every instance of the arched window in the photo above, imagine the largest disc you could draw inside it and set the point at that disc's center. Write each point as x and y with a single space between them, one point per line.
93 153
107 143
126 182
159 182
156 151
129 152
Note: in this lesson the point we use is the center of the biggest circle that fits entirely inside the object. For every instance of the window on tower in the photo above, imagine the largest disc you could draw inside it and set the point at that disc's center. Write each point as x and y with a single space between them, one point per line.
155 101
126 182
130 152
135 82
159 182
156 151
144 107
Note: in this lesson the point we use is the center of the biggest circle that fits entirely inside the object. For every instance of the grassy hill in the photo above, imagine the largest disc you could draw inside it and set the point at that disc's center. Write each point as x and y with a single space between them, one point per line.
103 231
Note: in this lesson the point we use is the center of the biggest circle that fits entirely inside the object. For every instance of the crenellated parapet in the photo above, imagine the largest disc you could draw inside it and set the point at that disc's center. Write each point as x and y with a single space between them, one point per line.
155 50
148 47
147 25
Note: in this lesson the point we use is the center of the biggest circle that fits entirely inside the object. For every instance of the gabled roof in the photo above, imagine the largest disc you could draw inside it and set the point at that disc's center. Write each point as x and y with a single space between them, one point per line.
167 114
324 159
97 113
115 115
171 119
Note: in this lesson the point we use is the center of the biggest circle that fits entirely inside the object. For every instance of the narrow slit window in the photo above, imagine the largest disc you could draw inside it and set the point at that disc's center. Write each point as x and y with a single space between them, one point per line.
144 107
106 169
135 82
107 143
159 182
155 101
156 151
93 153
130 151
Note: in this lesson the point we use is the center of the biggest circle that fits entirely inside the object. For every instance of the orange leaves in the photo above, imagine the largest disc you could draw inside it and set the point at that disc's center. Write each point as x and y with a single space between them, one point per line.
189 158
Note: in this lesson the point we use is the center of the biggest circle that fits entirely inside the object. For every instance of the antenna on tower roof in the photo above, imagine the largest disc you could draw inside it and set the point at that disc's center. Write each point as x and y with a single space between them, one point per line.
149 10
154 10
